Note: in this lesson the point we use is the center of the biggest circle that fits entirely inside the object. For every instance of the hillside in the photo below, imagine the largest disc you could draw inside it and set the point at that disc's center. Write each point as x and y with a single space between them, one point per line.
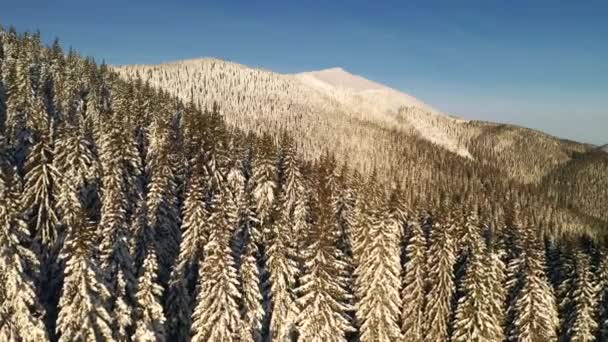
582 184
375 129
350 114
305 104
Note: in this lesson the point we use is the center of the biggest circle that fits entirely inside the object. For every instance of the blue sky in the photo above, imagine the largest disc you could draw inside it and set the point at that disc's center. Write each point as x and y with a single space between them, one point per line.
540 64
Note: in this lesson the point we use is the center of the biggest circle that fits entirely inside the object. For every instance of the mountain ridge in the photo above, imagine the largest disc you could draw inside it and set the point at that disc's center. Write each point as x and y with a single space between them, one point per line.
319 107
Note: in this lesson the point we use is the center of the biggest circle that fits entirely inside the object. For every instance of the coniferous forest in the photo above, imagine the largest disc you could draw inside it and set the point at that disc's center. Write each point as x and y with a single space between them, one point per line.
129 215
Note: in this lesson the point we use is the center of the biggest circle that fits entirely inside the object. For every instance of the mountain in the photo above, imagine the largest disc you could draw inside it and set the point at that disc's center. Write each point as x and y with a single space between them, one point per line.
379 131
603 148
378 102
322 102
335 109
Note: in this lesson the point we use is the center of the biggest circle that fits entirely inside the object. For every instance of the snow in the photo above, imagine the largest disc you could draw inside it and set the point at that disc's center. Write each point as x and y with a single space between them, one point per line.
383 103
308 104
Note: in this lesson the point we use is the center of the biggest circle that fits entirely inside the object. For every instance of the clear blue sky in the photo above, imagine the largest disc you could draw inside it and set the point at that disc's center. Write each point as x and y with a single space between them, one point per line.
537 63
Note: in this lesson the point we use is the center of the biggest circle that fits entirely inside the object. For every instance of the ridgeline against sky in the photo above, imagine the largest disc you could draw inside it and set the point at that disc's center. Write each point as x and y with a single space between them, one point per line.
538 64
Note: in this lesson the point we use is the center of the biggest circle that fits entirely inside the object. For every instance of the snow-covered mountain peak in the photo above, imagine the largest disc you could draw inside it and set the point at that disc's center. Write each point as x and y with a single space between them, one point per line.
253 97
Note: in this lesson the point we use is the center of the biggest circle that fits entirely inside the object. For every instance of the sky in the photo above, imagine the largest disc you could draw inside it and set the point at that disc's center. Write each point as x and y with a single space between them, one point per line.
536 63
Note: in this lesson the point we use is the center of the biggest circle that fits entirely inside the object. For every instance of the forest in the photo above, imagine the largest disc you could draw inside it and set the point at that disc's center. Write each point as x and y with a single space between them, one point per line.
129 214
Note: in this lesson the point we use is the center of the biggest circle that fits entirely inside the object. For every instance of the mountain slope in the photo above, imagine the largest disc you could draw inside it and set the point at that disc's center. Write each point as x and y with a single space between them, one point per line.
379 132
251 98
379 102
351 115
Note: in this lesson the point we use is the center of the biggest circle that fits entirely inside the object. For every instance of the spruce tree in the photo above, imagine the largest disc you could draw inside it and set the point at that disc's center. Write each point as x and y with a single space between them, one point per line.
21 315
115 255
534 307
150 319
583 324
216 314
195 230
476 318
602 331
414 285
379 274
441 260
82 311
163 216
323 298
280 248
246 249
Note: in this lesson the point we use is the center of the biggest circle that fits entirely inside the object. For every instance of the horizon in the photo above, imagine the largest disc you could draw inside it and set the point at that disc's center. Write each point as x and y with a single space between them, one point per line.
514 62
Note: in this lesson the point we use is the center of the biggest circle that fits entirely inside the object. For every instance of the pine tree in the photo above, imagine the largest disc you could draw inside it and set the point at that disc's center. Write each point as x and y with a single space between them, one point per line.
82 311
20 100
246 241
150 324
498 297
414 286
534 307
252 310
21 315
475 316
216 315
116 260
122 310
280 248
441 282
264 178
583 326
379 283
163 214
40 192
196 230
323 298
602 332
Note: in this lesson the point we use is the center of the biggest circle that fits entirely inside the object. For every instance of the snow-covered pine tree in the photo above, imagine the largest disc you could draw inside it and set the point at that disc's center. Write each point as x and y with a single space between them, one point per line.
115 254
534 307
265 182
379 273
441 258
21 315
74 160
150 319
252 310
2 84
280 246
475 318
602 277
20 101
163 214
39 206
195 230
583 324
323 298
414 285
246 250
82 308
496 284
344 200
216 315
40 192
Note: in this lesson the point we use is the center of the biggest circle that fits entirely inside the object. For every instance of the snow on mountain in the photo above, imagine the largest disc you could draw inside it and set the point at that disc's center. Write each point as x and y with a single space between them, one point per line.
329 108
384 104
604 148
